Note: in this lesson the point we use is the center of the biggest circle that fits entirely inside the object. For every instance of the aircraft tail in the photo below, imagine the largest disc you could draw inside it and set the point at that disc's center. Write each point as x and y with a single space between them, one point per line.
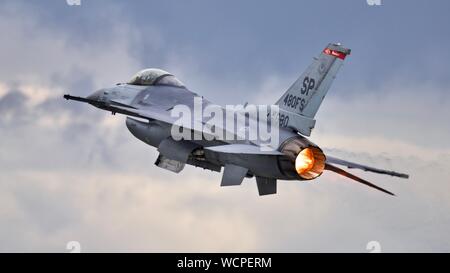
305 96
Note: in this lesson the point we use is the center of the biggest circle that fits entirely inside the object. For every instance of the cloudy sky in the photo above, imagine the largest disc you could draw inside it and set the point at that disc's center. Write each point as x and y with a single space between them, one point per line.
69 172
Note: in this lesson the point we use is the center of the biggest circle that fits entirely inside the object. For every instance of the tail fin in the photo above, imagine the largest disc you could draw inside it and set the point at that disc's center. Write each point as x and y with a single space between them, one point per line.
305 96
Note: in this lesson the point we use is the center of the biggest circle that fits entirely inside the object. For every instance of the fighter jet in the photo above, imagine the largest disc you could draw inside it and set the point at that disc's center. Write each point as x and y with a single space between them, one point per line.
150 97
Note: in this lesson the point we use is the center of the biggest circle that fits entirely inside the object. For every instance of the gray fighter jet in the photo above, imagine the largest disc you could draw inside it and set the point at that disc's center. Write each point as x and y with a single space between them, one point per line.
150 97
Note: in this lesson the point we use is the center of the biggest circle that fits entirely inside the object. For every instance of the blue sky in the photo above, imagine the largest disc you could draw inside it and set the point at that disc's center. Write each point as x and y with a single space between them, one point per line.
70 172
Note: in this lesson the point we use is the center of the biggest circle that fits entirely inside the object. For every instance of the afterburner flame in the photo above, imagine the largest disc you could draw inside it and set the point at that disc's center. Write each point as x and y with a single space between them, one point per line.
304 161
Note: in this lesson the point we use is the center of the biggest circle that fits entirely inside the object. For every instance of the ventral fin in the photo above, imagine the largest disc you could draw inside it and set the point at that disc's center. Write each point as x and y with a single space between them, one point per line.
233 175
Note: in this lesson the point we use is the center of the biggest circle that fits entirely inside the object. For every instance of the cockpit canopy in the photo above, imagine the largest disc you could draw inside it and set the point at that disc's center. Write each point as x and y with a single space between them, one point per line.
154 76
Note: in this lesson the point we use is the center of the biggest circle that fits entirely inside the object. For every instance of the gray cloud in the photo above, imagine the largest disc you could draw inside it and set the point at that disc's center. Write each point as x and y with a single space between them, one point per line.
96 184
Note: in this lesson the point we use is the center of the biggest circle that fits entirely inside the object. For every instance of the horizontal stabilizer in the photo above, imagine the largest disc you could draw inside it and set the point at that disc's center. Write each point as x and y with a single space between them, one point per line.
340 171
352 165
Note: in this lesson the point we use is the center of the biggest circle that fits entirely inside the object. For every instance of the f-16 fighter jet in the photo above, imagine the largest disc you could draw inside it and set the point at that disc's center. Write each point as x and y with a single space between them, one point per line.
246 142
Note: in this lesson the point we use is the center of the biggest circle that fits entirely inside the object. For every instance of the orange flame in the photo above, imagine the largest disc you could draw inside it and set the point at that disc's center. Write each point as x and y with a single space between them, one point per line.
304 161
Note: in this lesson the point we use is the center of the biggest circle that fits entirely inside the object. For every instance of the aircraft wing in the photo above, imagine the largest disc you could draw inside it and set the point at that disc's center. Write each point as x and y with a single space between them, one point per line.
129 110
117 107
351 165
242 149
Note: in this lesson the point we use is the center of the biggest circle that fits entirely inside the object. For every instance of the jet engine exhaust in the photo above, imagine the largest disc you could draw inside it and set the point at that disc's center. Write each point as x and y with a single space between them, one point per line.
303 160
